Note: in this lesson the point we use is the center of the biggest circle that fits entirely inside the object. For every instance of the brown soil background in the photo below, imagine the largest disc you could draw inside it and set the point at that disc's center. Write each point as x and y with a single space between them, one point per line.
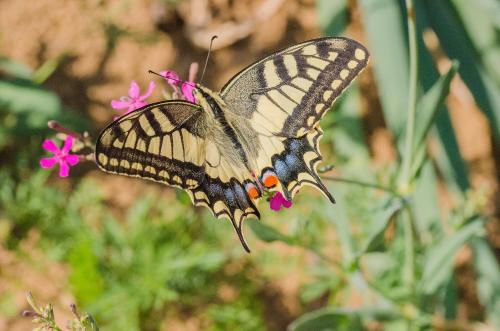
109 43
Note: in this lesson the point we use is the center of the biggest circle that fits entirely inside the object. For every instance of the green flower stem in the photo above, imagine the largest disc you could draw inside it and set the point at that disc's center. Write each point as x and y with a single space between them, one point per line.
408 272
361 183
412 100
322 256
409 249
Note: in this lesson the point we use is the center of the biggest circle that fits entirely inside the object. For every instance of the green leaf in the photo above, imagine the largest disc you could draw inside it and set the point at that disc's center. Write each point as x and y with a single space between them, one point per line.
384 274
488 279
15 69
89 323
335 319
338 217
427 108
387 44
440 258
332 16
47 69
456 41
326 320
85 279
31 105
267 233
346 134
483 28
451 299
449 159
426 204
381 219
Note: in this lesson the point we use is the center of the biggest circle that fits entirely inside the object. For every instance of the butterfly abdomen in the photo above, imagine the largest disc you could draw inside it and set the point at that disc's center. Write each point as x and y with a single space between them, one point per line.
216 109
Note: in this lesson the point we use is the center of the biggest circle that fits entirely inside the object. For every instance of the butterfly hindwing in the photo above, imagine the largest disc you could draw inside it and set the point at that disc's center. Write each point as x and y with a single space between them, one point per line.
226 200
173 143
296 165
288 92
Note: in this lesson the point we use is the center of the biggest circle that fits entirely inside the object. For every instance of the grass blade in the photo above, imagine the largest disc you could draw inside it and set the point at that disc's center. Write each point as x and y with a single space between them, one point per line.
428 107
381 219
339 319
387 44
440 258
266 233
332 16
456 42
488 279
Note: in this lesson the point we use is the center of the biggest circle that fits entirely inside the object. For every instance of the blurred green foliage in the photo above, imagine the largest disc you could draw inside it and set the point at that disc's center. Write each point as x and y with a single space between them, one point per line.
394 247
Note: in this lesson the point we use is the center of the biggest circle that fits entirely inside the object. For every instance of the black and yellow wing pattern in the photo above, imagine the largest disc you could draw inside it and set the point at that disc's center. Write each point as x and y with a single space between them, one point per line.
288 92
161 142
172 142
283 97
264 121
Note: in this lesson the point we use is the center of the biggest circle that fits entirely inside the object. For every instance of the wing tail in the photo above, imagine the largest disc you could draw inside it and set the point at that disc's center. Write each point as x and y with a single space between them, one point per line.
226 200
296 165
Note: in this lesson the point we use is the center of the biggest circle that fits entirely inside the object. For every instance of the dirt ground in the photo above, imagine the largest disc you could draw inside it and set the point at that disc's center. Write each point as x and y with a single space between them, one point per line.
105 44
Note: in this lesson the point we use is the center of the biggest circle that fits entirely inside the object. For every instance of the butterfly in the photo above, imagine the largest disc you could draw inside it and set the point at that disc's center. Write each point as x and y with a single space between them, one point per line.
259 133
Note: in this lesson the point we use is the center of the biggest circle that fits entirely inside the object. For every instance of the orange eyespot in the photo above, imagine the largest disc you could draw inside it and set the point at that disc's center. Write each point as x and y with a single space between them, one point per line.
270 180
253 192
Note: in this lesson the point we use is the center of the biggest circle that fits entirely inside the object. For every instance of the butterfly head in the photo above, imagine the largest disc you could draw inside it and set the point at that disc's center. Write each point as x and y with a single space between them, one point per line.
209 100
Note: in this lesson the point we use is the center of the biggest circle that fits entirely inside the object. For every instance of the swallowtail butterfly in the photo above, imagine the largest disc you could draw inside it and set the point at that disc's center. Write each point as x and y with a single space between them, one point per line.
260 132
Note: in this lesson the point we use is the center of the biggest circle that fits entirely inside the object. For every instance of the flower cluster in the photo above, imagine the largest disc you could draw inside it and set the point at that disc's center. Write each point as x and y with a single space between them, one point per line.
181 89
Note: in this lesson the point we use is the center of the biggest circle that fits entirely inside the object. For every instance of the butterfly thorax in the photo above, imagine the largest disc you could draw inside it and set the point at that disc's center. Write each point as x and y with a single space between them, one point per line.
232 134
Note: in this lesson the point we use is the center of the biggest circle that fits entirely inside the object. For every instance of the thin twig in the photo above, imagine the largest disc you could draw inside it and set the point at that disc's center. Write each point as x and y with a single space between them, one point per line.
364 184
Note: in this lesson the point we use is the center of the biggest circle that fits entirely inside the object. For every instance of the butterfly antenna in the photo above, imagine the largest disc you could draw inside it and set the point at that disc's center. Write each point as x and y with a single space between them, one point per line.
206 60
177 80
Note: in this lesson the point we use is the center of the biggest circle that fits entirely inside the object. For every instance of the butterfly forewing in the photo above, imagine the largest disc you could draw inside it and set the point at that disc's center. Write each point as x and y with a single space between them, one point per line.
288 92
163 142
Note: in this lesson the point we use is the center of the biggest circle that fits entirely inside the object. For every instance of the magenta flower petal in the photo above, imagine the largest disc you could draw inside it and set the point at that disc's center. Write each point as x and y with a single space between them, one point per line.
63 169
150 89
286 203
50 146
120 104
171 76
279 200
138 104
274 204
187 90
61 156
73 160
48 162
134 90
68 142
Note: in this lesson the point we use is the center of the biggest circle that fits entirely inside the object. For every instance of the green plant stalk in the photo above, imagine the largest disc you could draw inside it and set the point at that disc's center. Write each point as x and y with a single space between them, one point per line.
361 183
404 182
408 272
409 249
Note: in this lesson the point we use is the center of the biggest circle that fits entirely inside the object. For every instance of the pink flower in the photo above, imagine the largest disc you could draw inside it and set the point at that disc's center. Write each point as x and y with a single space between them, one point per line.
171 76
187 90
279 200
61 156
187 87
134 99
